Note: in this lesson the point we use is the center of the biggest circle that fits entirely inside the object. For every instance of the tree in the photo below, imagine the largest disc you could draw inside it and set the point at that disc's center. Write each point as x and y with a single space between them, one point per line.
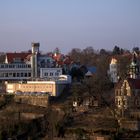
116 50
103 52
75 54
2 58
136 49
123 63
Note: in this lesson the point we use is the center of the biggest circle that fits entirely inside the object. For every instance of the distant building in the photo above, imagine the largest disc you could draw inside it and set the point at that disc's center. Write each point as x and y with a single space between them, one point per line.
31 65
53 88
50 72
134 68
127 95
113 70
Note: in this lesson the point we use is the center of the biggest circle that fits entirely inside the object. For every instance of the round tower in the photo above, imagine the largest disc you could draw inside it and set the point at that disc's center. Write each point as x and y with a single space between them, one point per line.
34 60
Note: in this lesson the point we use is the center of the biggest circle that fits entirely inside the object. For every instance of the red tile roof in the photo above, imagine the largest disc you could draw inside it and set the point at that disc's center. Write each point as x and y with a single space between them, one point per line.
67 61
12 56
57 57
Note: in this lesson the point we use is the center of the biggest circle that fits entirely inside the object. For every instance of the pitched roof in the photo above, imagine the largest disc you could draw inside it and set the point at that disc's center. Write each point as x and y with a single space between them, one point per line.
134 83
12 56
92 69
88 74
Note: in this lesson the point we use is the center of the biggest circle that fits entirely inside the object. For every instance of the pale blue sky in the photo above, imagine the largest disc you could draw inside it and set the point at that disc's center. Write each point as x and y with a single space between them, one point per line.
69 24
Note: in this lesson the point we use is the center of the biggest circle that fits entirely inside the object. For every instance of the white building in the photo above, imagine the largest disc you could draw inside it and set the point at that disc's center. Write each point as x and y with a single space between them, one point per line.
50 72
15 71
113 70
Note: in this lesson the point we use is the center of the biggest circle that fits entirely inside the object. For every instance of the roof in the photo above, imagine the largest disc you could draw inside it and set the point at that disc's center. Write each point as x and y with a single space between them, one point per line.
67 60
113 61
91 69
12 56
88 73
134 83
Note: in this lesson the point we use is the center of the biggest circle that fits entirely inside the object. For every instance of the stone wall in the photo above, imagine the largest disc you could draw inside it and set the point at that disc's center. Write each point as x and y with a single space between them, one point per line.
38 100
133 125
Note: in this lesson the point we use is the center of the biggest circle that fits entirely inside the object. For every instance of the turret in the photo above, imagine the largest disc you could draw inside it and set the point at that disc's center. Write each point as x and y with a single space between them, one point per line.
34 60
134 68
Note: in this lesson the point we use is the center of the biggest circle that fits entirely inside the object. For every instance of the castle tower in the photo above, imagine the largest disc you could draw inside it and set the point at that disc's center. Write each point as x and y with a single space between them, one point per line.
34 60
113 70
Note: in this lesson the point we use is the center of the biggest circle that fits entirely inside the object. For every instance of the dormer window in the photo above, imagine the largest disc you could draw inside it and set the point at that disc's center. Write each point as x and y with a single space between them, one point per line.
17 60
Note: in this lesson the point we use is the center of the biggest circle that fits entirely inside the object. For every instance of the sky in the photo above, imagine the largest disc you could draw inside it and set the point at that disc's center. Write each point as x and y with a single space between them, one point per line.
68 24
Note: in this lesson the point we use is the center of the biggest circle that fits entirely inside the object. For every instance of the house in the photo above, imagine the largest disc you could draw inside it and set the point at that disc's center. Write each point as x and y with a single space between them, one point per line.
85 102
127 96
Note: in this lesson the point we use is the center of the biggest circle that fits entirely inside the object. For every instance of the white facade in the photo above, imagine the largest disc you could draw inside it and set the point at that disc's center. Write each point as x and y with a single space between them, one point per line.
113 71
15 71
50 72
45 61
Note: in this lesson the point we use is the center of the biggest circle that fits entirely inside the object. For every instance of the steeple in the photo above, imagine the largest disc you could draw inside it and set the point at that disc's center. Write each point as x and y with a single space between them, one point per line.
134 68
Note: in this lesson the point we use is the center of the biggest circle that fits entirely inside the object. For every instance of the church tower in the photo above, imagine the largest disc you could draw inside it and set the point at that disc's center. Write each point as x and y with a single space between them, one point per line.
134 68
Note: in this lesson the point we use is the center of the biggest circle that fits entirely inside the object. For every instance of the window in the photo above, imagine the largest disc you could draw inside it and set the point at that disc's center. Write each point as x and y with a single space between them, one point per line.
10 74
21 74
56 74
119 102
25 74
14 74
51 74
45 74
16 60
124 102
6 74
29 74
17 74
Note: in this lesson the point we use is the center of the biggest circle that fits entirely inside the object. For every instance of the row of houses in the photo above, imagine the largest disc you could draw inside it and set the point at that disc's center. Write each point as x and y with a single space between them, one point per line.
32 71
33 64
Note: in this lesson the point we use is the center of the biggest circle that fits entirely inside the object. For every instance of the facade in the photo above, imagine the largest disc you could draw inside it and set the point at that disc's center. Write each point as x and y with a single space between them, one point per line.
127 91
50 72
17 71
113 72
127 95
53 88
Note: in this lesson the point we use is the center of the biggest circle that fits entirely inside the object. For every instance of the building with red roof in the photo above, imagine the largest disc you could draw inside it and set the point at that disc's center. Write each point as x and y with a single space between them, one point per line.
17 57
